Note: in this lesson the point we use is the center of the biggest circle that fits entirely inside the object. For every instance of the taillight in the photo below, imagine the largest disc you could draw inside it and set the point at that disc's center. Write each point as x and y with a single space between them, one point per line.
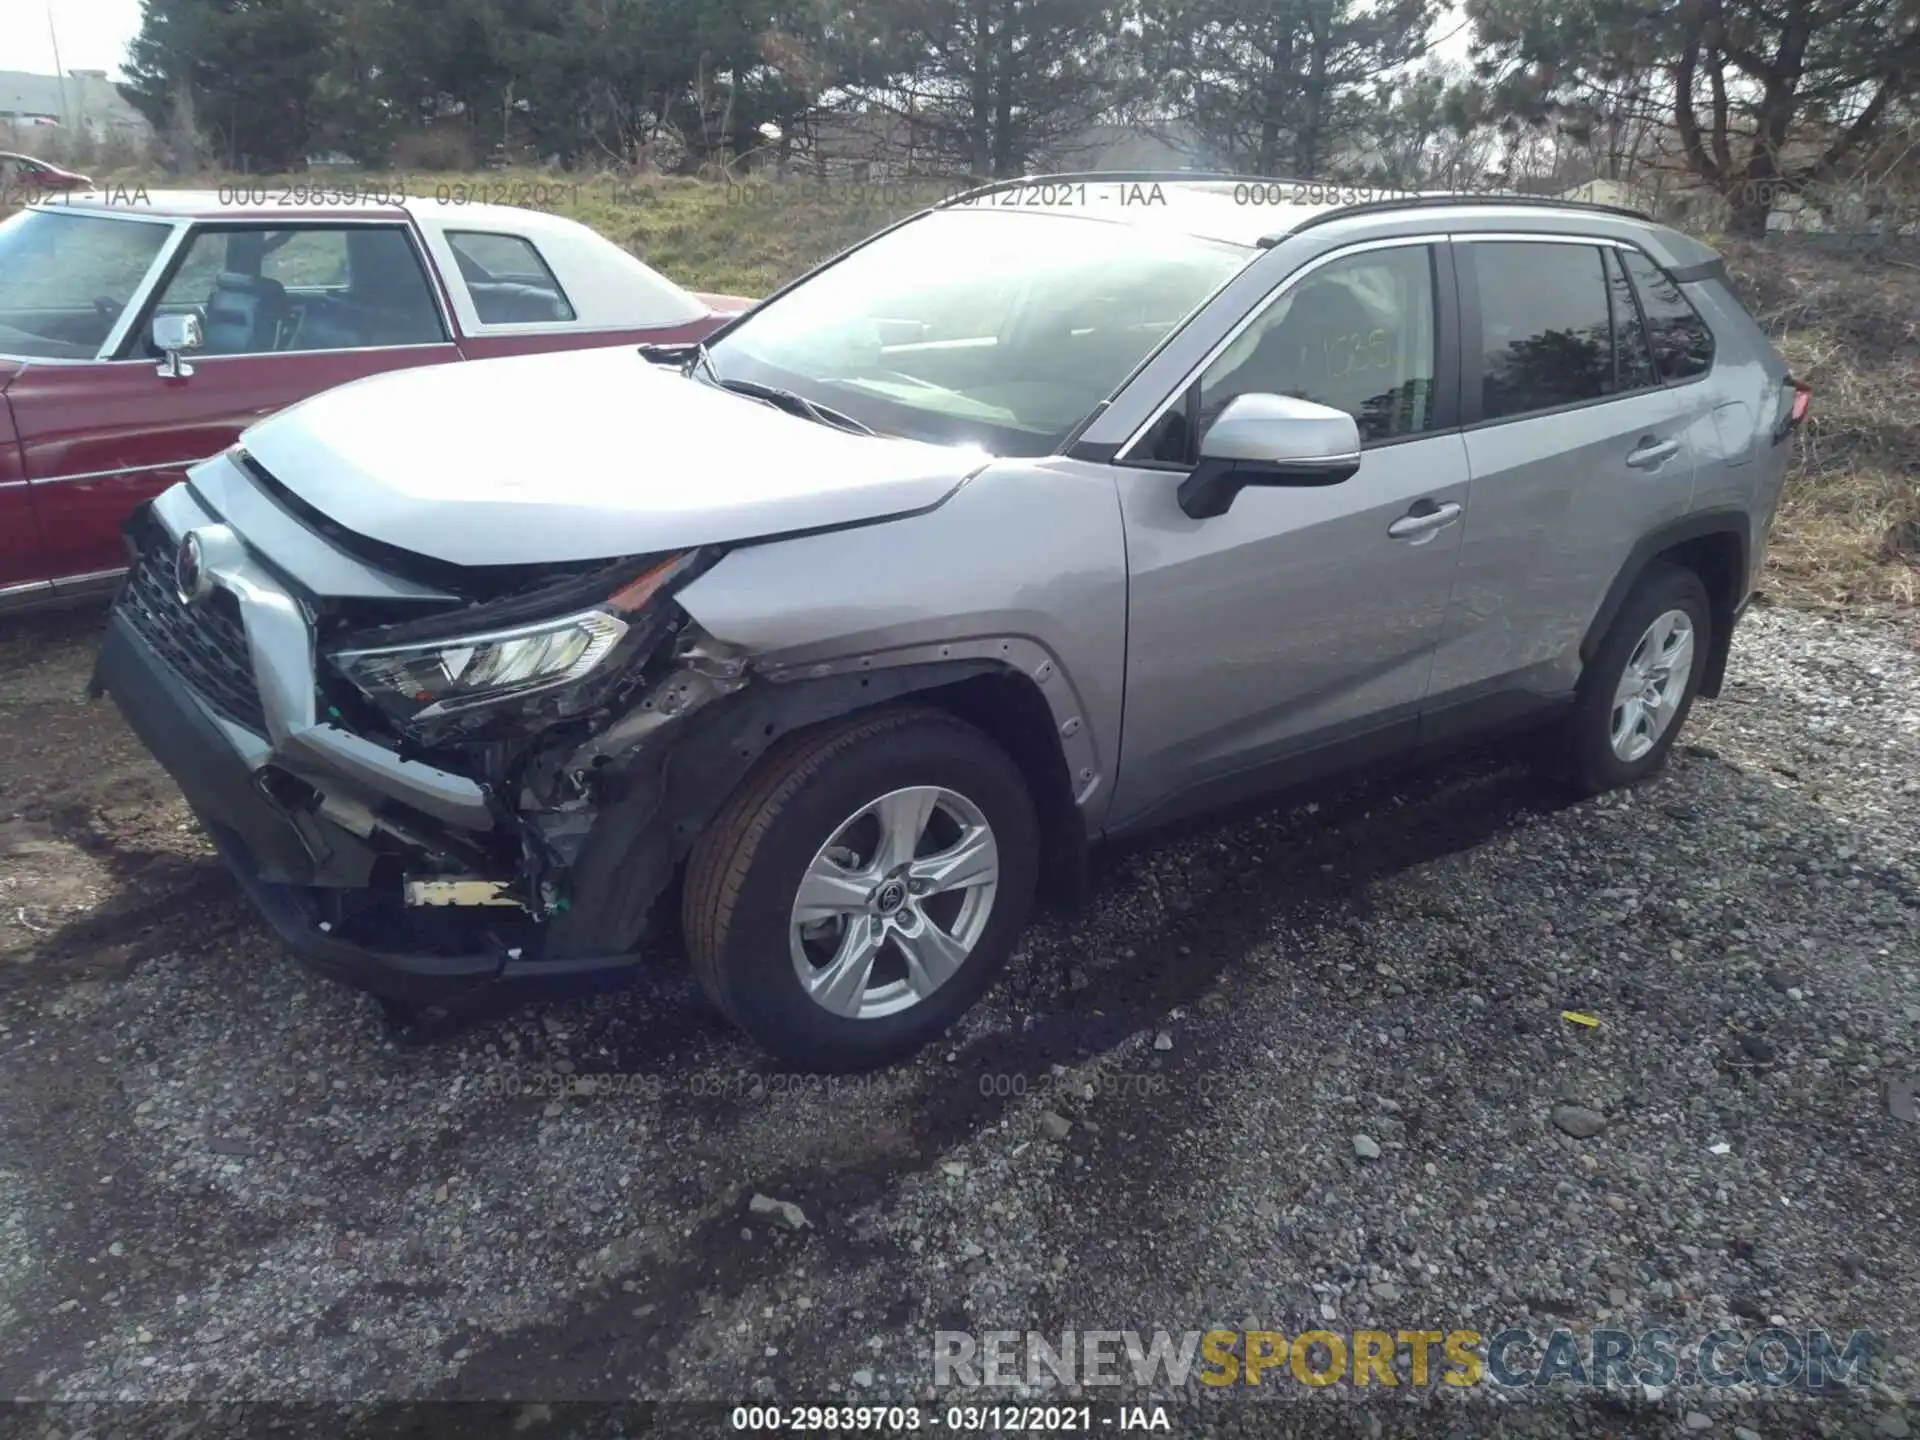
1796 396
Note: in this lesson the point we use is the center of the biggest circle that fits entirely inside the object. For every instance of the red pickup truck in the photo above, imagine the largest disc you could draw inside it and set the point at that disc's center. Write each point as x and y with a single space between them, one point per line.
141 332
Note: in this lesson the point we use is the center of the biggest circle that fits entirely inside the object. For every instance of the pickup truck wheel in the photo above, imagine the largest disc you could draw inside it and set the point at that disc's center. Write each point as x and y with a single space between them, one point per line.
862 887
1635 694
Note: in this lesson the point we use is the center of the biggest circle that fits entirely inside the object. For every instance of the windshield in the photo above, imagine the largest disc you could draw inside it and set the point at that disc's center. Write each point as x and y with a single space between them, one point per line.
65 279
1002 329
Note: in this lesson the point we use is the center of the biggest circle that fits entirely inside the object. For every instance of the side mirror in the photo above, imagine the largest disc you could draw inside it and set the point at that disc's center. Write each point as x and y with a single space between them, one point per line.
1269 440
173 335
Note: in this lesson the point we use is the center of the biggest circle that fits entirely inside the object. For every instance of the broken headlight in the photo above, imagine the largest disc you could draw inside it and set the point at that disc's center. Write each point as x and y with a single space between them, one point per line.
439 677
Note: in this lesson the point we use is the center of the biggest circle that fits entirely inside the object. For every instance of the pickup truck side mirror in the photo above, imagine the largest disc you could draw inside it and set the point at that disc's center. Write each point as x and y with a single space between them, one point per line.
1269 440
172 336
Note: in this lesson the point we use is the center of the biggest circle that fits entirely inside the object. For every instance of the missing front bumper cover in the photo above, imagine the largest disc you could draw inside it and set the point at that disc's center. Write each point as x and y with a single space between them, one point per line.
466 891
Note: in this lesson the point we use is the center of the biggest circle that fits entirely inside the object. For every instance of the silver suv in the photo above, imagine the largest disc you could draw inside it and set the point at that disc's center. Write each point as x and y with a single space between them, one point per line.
1059 510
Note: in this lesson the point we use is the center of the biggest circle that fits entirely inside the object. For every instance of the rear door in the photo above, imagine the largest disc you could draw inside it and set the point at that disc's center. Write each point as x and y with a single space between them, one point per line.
288 310
1576 451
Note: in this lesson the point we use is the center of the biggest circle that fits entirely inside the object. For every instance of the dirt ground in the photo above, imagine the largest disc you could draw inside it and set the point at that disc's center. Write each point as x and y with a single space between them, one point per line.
222 1178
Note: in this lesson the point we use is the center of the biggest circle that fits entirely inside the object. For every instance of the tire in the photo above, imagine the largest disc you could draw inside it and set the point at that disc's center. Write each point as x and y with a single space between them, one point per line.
1591 759
808 811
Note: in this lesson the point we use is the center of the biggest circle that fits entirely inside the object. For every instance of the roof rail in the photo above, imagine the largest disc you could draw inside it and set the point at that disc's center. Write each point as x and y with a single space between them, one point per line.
1116 177
1437 198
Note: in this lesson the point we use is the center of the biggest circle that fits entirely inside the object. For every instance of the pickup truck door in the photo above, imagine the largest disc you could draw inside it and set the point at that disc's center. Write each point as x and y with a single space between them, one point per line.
280 321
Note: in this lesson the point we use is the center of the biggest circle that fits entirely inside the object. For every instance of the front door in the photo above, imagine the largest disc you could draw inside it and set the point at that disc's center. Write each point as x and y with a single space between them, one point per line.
287 310
1302 621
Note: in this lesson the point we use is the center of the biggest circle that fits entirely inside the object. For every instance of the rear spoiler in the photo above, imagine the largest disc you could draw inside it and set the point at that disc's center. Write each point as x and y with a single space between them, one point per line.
1714 269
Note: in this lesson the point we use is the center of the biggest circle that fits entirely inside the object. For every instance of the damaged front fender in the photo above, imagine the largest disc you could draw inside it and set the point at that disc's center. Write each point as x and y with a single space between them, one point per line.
652 783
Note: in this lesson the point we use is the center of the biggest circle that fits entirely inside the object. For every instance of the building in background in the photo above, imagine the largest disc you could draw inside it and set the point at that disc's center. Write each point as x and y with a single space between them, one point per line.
80 103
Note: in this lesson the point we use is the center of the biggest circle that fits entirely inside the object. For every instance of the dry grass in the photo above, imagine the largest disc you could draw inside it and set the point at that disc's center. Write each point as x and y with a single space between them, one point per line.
1847 537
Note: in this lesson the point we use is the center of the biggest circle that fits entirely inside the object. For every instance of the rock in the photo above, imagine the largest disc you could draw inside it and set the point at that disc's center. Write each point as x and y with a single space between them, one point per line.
788 1213
553 1111
1697 1421
1893 1425
1382 1290
223 1145
863 1378
1163 1041
1057 1127
1578 1121
1741 1432
1900 1100
1366 1147
953 1169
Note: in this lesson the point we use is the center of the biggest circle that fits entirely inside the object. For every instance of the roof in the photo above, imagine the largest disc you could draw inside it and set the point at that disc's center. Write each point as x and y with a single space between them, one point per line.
301 200
1242 210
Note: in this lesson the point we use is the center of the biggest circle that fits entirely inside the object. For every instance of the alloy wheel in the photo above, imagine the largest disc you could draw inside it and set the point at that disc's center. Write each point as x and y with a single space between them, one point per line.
892 905
1652 685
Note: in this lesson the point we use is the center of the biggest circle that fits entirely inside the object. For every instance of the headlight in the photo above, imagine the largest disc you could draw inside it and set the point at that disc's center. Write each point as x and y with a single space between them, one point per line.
458 673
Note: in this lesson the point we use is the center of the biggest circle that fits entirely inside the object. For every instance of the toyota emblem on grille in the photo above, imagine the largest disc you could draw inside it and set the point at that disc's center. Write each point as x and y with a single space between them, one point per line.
190 577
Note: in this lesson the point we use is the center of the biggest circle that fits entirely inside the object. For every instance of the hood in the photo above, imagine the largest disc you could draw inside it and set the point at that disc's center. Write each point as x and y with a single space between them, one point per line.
582 455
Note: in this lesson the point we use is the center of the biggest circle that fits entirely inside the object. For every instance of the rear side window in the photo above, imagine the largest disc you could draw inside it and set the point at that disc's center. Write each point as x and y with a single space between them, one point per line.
508 280
1545 324
1682 343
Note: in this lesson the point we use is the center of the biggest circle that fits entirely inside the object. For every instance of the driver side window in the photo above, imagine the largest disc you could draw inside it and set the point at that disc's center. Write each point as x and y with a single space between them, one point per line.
1356 334
264 290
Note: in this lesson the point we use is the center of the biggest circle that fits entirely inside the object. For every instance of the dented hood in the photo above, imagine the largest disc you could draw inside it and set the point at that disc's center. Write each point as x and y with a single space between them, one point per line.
582 455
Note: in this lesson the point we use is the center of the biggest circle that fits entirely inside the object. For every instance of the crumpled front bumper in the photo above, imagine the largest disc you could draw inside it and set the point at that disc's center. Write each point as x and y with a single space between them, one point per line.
292 857
271 852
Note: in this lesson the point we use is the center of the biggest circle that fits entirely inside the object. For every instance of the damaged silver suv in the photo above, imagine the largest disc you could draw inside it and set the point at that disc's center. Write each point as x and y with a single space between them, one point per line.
1059 510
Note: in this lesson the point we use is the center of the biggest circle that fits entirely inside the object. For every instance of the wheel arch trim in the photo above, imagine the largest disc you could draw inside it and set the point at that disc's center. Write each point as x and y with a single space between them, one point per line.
1726 525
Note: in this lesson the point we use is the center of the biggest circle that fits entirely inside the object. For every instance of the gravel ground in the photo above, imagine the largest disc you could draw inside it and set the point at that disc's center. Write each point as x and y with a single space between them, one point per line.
222 1178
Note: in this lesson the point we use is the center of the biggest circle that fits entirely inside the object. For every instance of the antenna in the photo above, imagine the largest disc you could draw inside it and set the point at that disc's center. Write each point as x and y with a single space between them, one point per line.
59 72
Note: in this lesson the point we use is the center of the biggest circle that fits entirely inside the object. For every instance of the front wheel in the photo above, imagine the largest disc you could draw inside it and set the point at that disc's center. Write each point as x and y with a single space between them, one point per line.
1637 691
862 887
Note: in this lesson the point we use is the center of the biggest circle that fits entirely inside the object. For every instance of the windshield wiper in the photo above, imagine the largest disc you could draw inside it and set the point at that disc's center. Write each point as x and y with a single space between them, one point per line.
693 358
791 401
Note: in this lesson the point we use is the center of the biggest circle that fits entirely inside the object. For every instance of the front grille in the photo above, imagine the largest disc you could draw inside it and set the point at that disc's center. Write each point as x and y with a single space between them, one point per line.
205 644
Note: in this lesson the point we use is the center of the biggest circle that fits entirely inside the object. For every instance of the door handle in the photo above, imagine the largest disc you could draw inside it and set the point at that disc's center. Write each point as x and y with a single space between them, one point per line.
1652 452
1419 523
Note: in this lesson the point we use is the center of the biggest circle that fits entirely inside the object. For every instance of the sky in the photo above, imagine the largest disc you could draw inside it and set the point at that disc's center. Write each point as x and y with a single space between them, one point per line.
94 34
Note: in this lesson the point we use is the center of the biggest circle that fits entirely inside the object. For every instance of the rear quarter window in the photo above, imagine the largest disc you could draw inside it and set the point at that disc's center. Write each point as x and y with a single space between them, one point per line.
508 280
1682 342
